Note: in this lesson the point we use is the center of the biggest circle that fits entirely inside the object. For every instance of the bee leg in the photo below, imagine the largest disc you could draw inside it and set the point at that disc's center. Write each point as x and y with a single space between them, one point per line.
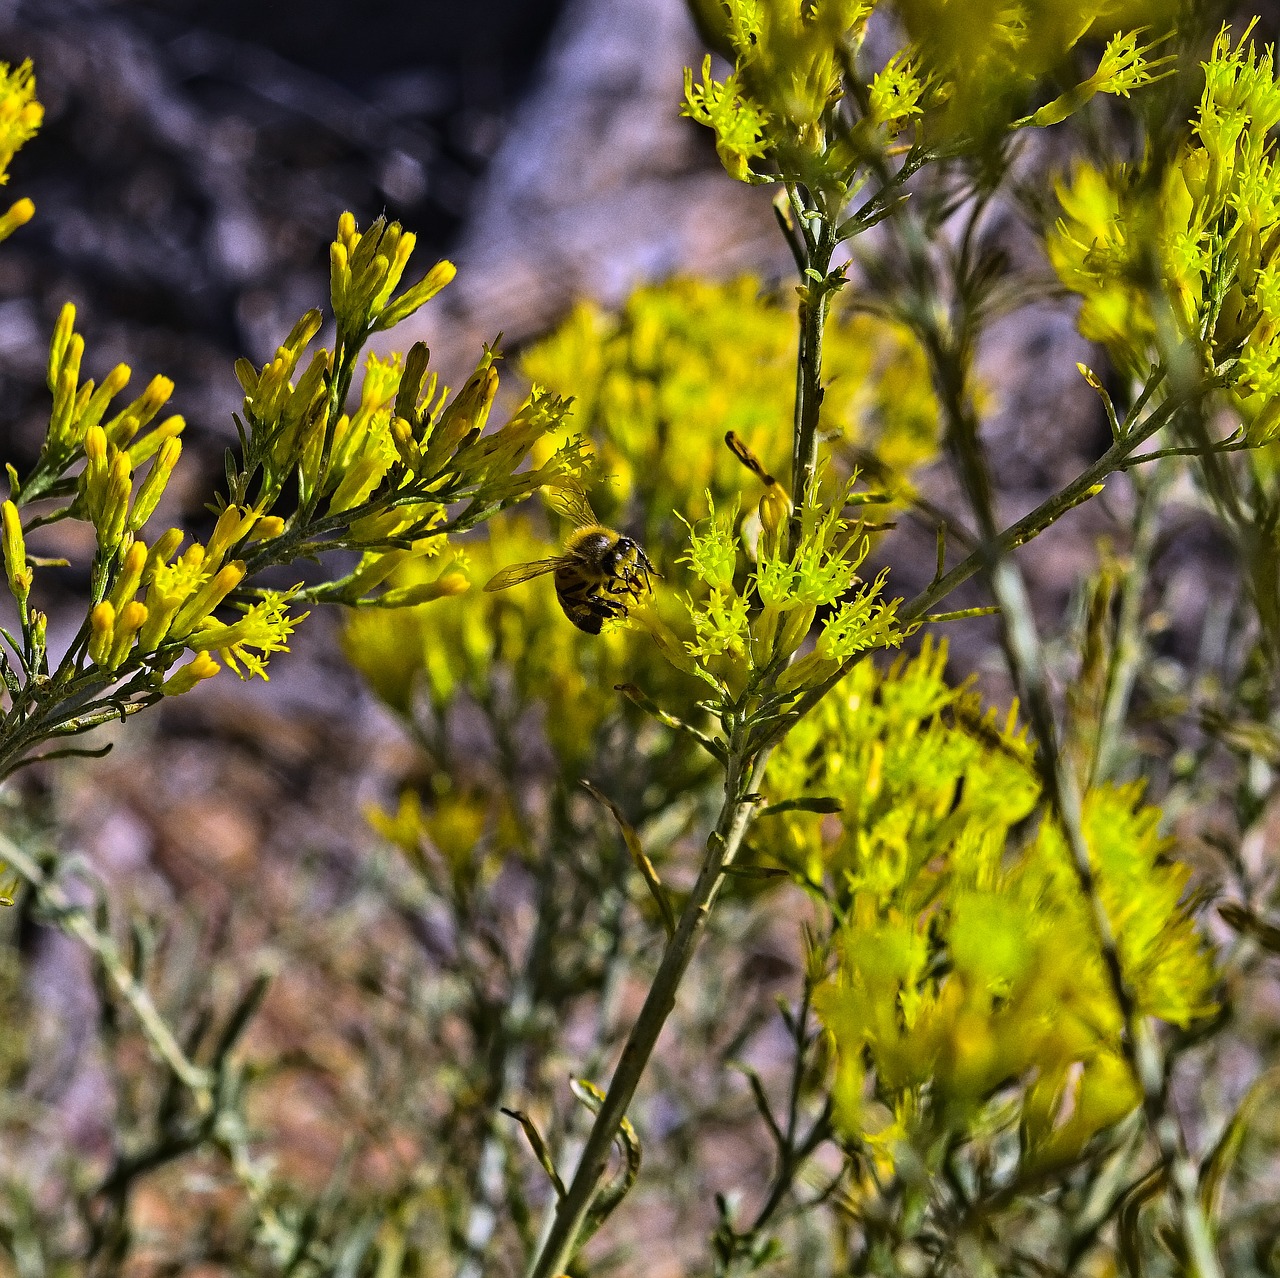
607 609
635 581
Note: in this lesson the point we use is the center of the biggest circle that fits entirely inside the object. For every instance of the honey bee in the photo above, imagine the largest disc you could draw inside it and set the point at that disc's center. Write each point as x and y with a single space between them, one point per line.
600 574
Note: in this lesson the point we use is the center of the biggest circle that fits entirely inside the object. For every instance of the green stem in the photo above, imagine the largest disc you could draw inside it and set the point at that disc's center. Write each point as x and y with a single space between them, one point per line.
743 769
1128 648
814 305
571 1213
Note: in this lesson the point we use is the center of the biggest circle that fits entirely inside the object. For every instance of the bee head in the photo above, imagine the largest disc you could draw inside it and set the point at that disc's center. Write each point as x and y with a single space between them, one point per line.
623 551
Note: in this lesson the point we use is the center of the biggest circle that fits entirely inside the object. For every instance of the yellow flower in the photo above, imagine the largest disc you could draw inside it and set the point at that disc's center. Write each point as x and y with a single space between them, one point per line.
20 113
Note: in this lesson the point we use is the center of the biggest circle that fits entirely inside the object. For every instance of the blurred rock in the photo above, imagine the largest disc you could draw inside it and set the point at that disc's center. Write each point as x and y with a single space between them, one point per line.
599 185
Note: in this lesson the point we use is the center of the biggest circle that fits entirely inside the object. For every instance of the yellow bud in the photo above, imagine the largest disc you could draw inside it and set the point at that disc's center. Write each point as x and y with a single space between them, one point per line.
368 283
339 276
129 620
153 486
231 526
468 412
150 443
357 483
764 631
795 627
165 547
201 666
131 569
400 254
64 400
378 528
449 583
62 334
406 445
302 332
114 382
775 511
207 598
417 295
95 445
125 425
1195 173
113 516
20 213
15 554
102 622
95 479
267 527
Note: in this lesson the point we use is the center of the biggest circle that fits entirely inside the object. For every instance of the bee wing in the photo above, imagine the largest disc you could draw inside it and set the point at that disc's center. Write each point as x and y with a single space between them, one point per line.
572 504
517 573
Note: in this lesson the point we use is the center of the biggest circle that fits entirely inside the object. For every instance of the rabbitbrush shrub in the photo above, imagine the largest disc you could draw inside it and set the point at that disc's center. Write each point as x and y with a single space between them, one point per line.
1018 1035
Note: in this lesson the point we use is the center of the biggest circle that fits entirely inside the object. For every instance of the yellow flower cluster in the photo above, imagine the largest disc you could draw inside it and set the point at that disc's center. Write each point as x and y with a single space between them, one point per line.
967 963
797 106
656 387
387 475
20 116
984 58
20 112
1188 247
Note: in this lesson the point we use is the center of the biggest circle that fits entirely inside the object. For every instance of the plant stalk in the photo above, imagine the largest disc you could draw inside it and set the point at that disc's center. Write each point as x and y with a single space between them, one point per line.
571 1212
744 768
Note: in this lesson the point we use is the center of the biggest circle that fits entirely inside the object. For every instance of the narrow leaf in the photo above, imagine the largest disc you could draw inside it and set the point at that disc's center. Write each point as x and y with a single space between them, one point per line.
642 862
1225 1151
819 803
539 1147
616 1189
646 703
1247 922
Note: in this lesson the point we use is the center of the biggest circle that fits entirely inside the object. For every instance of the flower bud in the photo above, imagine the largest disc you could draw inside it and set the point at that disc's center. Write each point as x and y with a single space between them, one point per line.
150 443
153 486
20 213
231 526
132 566
102 621
15 554
114 515
63 331
267 527
201 666
416 296
114 382
357 484
207 598
339 275
775 511
129 620
448 583
795 628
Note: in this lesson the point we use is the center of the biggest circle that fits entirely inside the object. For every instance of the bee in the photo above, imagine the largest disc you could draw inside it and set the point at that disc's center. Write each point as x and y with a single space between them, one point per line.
600 574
